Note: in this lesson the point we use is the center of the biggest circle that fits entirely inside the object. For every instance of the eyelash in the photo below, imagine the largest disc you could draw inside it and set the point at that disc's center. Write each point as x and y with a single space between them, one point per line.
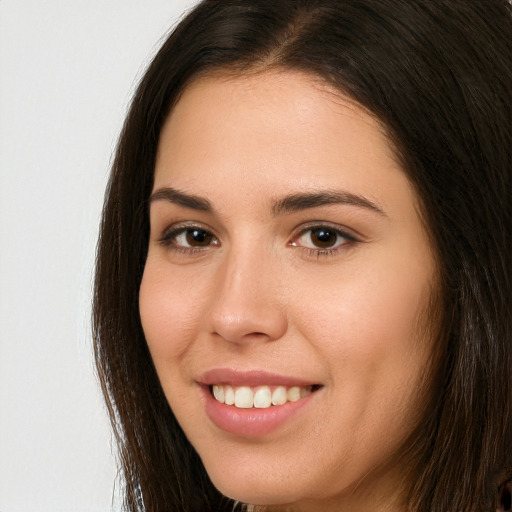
318 253
168 239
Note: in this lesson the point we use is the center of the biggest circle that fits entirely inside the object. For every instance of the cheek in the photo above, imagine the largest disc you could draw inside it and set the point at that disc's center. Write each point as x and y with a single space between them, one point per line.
169 316
373 306
370 323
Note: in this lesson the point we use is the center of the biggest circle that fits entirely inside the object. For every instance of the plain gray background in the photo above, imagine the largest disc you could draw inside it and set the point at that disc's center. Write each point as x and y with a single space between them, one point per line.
67 71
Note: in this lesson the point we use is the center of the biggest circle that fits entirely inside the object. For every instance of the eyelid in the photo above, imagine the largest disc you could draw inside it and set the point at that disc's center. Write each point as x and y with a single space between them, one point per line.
348 239
172 230
169 234
348 233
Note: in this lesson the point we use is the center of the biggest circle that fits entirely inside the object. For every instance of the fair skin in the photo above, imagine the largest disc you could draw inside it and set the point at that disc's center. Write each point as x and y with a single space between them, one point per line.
300 261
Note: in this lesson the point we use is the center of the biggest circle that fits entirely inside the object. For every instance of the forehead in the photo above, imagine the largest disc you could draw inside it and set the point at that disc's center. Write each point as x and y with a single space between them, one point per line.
272 133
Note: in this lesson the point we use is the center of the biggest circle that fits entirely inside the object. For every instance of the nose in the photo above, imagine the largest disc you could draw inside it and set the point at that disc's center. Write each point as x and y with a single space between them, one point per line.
246 303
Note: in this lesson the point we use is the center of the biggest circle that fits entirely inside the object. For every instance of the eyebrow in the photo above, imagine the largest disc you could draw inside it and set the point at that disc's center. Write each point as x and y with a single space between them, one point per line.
182 199
303 201
288 204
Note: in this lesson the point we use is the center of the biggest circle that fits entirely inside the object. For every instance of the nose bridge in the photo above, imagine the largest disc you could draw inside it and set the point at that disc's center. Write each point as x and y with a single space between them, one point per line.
246 302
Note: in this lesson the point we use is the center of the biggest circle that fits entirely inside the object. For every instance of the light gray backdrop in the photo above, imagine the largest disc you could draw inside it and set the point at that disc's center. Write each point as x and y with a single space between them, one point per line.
67 71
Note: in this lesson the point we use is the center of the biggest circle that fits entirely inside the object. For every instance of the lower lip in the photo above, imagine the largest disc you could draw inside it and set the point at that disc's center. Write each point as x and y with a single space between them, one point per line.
251 422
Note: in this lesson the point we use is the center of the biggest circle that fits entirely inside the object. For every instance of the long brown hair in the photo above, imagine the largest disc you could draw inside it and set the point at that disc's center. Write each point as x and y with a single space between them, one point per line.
437 73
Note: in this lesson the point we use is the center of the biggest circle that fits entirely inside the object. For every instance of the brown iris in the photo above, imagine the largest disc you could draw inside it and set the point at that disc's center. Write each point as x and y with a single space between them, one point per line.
324 238
198 237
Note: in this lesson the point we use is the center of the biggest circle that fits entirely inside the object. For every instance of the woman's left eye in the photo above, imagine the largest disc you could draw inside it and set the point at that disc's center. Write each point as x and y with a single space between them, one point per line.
322 238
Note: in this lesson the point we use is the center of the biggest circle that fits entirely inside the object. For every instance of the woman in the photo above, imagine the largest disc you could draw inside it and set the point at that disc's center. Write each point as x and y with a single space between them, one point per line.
303 278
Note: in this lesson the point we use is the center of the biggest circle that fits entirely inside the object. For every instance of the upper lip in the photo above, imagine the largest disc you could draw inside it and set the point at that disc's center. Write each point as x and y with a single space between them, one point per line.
236 377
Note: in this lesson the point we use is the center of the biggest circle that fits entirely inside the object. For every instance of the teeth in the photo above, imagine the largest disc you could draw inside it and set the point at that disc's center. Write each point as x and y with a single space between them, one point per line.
279 396
218 393
244 398
293 394
229 395
261 397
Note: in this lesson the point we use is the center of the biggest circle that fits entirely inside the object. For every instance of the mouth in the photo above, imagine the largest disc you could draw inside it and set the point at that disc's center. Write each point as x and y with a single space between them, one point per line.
255 403
259 397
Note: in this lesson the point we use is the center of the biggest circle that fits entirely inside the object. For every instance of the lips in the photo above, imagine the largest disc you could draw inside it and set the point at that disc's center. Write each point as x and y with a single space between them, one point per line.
234 377
253 403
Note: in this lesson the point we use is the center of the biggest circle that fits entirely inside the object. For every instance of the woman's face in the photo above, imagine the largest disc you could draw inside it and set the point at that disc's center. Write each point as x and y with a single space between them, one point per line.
288 271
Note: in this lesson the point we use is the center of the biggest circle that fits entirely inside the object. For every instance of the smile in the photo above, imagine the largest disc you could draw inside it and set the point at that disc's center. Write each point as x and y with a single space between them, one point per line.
255 403
260 397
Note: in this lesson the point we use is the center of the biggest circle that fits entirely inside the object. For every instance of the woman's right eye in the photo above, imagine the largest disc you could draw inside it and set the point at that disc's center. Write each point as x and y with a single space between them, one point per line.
188 238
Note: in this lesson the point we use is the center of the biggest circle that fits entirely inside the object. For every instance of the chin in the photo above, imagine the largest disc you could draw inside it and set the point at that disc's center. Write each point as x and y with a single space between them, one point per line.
255 492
